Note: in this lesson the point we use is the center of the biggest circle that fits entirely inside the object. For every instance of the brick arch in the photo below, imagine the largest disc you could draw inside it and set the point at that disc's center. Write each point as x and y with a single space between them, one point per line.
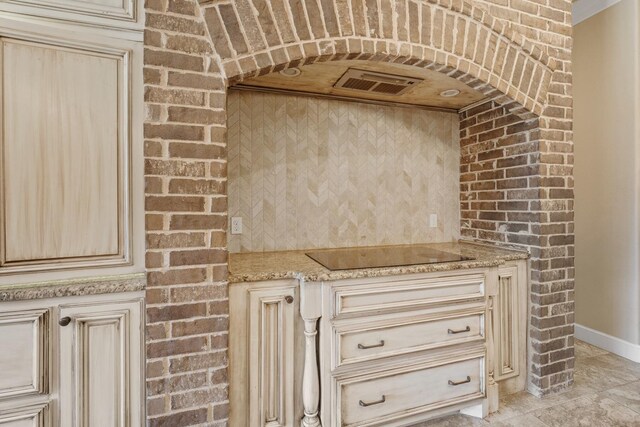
516 172
478 50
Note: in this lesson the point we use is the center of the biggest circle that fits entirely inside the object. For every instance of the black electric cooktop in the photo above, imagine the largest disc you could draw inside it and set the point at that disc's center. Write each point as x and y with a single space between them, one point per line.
376 257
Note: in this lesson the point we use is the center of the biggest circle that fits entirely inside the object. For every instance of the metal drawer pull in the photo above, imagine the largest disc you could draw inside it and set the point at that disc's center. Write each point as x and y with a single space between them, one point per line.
364 347
451 331
468 380
377 402
64 321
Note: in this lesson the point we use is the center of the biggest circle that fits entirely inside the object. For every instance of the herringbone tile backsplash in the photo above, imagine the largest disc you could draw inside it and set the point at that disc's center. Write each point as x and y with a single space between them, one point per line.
310 173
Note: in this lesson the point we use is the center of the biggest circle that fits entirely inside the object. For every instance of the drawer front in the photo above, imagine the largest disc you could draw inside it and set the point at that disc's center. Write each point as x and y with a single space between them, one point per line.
405 335
365 298
23 353
376 400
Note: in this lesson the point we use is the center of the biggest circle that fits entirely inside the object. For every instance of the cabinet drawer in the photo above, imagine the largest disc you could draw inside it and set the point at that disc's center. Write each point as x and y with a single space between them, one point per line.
355 343
396 293
377 399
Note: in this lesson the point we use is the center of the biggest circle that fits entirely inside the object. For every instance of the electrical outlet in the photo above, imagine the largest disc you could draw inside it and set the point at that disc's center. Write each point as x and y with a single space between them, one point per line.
236 225
433 221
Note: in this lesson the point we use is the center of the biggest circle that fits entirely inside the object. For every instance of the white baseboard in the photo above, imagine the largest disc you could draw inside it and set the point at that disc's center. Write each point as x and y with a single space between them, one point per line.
608 342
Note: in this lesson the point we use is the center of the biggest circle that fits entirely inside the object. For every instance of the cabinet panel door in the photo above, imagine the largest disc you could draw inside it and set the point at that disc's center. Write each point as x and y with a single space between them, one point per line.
105 13
271 364
65 156
29 416
36 415
24 352
510 322
100 365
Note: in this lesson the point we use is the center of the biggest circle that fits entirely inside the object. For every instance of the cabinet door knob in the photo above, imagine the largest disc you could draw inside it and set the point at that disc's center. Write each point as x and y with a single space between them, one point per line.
288 299
64 321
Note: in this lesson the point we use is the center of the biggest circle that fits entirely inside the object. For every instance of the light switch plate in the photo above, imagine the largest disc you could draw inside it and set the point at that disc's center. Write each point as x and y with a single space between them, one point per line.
433 221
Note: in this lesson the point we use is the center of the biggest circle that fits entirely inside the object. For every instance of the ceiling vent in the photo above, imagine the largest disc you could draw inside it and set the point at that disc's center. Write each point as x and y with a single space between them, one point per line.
374 82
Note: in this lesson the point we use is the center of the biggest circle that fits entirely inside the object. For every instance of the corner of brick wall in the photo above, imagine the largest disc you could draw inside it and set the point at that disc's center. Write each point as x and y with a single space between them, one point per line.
186 217
516 188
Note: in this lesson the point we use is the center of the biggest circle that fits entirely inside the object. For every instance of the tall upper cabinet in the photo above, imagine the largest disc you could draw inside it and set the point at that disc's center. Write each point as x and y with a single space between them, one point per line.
71 159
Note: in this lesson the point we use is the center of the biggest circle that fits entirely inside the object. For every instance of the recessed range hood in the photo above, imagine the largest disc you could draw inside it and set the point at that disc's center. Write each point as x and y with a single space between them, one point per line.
375 82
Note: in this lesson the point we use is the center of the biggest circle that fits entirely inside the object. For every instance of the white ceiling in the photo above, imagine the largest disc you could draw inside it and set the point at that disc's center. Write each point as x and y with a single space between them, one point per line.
585 9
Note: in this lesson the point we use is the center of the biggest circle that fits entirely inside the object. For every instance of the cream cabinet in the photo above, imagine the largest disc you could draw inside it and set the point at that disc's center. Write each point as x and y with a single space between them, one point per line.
510 327
73 361
34 415
122 14
71 162
381 351
100 349
262 333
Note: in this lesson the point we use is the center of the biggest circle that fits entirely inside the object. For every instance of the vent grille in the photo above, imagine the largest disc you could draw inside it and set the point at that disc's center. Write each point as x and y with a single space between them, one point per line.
374 82
389 88
358 84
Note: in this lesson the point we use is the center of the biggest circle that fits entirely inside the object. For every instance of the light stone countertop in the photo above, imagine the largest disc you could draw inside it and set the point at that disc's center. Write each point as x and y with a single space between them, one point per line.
258 266
73 287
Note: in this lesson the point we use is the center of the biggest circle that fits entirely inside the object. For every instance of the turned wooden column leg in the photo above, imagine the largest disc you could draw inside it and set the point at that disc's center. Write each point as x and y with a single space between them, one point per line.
310 378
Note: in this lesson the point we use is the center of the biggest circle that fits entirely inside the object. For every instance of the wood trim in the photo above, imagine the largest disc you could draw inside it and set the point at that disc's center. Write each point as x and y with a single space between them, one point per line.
124 159
250 88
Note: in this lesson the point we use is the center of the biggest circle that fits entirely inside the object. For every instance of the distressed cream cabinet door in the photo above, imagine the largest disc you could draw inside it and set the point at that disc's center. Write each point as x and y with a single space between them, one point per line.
101 364
510 326
119 14
36 415
66 153
263 320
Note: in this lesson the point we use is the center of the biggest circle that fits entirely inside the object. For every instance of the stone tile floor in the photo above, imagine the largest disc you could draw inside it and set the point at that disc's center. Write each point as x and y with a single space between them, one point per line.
606 393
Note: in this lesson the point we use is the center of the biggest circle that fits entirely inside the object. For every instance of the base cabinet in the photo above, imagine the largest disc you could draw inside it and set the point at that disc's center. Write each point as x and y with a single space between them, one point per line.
74 362
383 351
263 333
99 349
510 327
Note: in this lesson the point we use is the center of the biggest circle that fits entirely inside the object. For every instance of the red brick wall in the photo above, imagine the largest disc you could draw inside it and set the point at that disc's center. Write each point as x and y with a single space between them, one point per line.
185 167
516 52
516 188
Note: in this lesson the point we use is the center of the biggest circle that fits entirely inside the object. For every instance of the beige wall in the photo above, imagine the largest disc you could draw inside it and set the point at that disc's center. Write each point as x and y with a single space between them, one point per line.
307 173
606 96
